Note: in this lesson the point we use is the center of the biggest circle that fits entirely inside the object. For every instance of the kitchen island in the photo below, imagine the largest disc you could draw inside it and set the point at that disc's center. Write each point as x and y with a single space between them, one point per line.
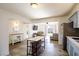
35 45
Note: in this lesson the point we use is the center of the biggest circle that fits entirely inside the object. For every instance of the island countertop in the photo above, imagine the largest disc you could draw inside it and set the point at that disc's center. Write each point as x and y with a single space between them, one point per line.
37 38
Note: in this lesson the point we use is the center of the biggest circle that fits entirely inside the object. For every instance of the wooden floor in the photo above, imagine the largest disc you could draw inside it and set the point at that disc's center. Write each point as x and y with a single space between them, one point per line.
52 49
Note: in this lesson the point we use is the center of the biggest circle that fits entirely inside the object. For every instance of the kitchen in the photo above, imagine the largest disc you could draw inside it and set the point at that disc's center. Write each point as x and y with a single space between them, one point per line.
23 28
71 38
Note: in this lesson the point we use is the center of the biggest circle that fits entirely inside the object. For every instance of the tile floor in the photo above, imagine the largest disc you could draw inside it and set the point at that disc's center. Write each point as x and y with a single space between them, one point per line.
52 49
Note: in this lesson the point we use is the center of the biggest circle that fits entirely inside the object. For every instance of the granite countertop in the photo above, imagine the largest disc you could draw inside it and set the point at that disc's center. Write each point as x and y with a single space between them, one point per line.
73 40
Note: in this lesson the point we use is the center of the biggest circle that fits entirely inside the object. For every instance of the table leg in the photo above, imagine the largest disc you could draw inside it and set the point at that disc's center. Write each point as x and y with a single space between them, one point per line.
27 47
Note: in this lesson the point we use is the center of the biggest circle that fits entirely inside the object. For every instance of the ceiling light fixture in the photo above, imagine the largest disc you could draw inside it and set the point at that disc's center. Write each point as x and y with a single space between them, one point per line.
34 5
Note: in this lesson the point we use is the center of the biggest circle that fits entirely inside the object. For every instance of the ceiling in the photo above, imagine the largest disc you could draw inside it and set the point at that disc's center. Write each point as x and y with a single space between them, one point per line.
44 9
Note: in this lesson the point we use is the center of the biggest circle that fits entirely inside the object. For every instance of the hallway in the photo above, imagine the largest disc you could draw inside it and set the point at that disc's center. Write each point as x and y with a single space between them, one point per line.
52 49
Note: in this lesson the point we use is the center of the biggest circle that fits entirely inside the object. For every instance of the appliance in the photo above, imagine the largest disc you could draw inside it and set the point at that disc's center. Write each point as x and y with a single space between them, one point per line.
68 30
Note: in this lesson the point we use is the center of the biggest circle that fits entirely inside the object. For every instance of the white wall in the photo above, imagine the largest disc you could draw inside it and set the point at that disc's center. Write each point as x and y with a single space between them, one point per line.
5 17
4 47
22 28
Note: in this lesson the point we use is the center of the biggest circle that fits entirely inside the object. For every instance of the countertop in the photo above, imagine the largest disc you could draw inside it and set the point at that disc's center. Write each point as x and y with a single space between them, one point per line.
73 41
36 38
15 33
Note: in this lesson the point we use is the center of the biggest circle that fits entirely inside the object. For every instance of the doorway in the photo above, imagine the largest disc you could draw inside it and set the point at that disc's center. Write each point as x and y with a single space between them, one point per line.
52 31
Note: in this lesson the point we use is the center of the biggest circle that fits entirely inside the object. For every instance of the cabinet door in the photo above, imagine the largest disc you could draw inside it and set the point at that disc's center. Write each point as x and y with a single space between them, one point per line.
76 51
68 46
76 54
75 20
78 20
71 50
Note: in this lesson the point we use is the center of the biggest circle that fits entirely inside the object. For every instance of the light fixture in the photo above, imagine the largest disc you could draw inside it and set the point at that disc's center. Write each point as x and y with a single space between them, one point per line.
16 26
34 5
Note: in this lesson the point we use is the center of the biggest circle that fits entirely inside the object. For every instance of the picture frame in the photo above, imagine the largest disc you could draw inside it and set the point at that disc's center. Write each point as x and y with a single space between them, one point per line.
35 27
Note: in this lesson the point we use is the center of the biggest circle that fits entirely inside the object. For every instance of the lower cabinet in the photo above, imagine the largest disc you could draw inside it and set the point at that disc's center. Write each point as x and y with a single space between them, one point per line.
76 51
68 47
72 49
76 54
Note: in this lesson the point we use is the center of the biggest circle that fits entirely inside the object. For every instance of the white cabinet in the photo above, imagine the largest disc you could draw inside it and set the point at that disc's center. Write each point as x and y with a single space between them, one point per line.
72 49
17 37
68 47
75 19
76 51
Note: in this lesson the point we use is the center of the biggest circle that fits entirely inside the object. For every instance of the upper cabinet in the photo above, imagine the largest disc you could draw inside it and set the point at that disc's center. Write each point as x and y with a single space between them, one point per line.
75 19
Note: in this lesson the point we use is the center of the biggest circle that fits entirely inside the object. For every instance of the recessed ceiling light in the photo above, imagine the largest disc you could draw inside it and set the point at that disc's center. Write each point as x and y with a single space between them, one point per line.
34 5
